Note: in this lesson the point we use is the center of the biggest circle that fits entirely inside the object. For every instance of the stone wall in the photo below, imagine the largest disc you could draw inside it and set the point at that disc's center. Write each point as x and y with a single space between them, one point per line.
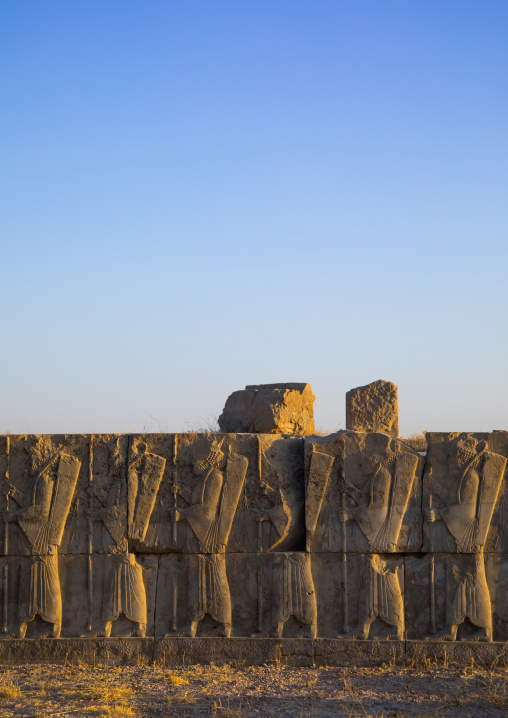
179 544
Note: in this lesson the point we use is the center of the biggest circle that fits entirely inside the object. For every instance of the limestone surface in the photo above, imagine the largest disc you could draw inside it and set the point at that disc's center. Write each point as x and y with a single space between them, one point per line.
258 537
270 409
373 407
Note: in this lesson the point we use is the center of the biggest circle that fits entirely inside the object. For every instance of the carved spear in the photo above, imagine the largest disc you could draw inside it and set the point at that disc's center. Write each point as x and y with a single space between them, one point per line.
90 535
175 536
6 546
344 568
260 551
260 577
431 576
343 496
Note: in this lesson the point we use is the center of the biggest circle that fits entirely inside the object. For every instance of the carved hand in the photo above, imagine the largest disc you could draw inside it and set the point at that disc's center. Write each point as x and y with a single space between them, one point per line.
345 515
176 515
431 515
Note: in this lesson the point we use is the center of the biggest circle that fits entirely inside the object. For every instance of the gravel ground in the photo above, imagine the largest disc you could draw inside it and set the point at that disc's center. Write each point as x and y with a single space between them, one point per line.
239 692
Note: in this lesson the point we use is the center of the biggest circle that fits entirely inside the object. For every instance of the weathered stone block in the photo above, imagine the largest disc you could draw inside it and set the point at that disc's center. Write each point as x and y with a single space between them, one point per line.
362 493
373 407
266 511
35 465
438 584
270 409
173 652
67 651
460 468
270 594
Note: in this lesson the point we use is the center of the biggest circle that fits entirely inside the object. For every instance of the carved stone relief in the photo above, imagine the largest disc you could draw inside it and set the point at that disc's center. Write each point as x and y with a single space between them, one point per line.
353 535
40 480
462 484
362 505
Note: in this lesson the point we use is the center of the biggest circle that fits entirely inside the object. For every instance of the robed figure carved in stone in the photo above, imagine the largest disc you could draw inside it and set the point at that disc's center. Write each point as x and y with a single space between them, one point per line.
478 475
293 587
210 515
379 516
42 524
125 513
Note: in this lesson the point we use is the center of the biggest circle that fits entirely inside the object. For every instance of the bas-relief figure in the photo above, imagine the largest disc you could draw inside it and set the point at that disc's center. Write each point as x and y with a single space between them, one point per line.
209 518
41 514
368 491
293 594
462 484
125 503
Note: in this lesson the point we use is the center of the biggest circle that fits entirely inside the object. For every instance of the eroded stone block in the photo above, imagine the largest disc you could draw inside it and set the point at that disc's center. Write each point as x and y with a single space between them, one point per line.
359 595
362 494
460 468
40 492
373 407
154 456
256 595
262 474
440 587
270 409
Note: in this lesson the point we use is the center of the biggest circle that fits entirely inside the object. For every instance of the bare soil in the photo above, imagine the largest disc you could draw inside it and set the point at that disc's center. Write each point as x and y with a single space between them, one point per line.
241 692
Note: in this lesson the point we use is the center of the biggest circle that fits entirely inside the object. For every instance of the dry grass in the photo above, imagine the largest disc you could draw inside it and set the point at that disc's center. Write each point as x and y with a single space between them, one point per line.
184 698
10 691
425 688
99 690
115 711
417 441
175 680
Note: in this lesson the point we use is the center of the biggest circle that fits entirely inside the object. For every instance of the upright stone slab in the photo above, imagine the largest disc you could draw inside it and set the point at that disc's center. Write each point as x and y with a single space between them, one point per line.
270 409
373 407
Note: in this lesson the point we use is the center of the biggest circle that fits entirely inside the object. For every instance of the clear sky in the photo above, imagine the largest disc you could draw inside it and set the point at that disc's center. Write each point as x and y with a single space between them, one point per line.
198 195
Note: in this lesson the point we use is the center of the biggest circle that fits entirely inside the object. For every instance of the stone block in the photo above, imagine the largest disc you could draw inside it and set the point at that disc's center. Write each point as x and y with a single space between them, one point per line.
174 652
266 511
270 409
461 467
373 407
86 589
68 651
255 594
440 588
359 596
35 466
362 493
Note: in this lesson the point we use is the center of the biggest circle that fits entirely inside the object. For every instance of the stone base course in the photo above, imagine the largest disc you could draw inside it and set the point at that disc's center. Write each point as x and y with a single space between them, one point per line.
174 652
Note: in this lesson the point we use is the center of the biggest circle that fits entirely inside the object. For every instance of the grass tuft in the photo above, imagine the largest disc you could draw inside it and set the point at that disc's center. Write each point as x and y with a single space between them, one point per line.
10 691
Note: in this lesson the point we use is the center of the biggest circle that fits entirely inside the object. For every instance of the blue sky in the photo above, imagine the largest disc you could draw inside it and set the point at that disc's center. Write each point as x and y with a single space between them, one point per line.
196 196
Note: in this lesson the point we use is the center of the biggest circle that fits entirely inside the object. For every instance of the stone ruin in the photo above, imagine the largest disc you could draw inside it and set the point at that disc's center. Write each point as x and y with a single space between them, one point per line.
345 549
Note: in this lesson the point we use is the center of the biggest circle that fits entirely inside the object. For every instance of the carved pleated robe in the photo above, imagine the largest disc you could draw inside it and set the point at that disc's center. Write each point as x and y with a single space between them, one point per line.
124 588
380 521
468 522
293 588
208 583
39 591
382 596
